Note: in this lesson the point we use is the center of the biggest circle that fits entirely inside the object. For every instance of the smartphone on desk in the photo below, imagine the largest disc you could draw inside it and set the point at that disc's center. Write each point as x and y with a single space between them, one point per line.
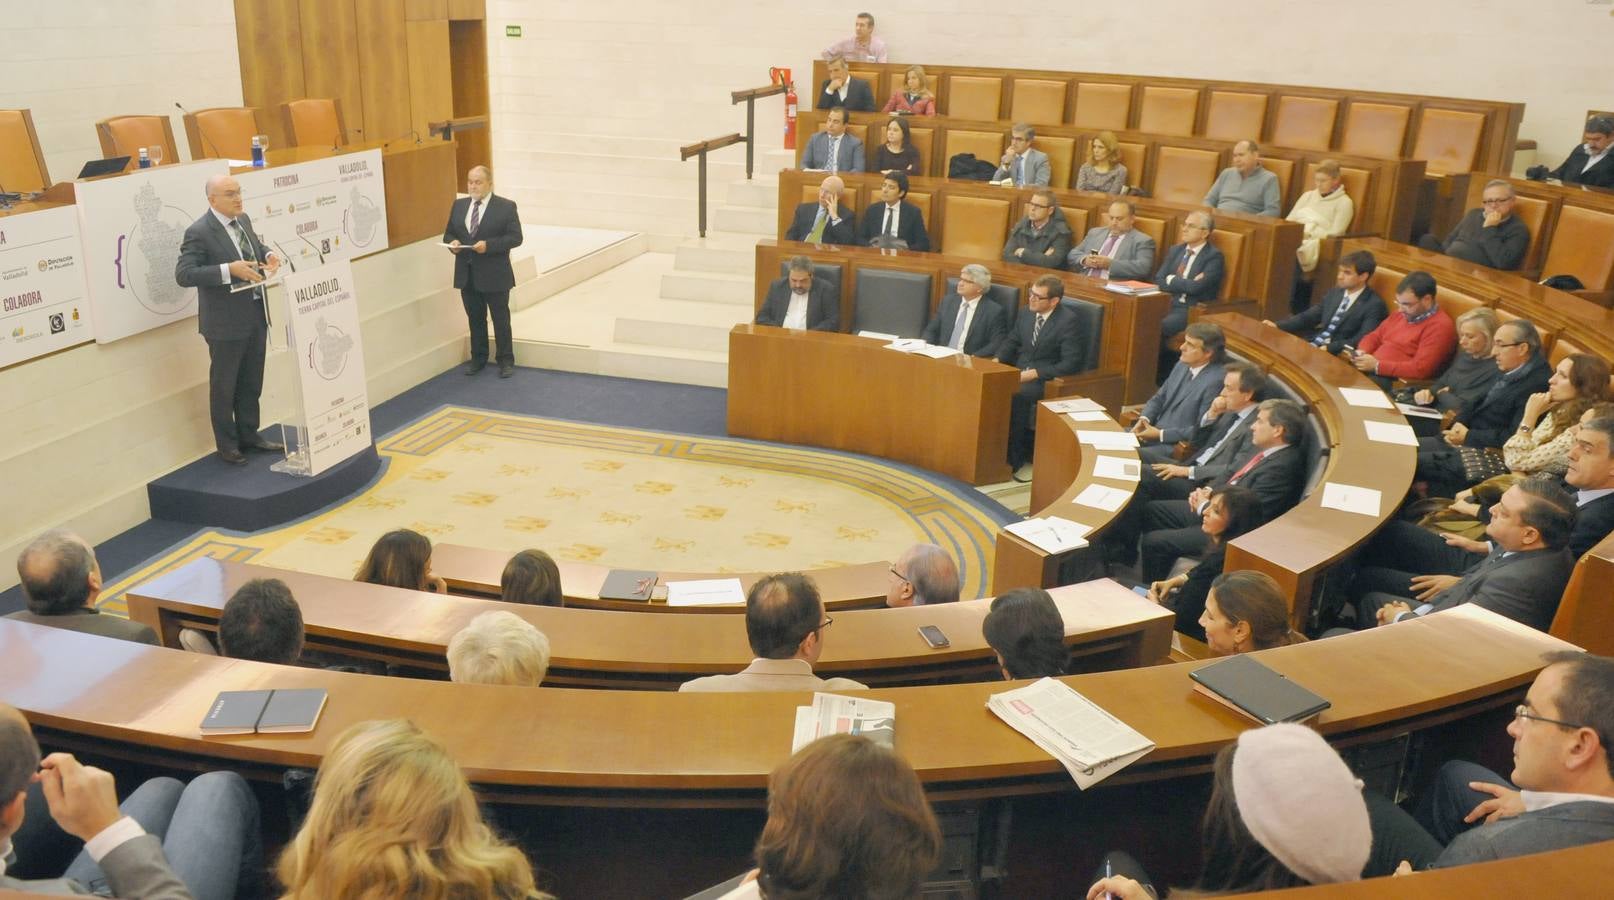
1142 591
934 637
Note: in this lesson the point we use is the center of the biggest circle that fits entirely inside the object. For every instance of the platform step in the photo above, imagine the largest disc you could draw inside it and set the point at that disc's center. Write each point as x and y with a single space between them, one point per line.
758 193
684 324
719 251
542 285
709 287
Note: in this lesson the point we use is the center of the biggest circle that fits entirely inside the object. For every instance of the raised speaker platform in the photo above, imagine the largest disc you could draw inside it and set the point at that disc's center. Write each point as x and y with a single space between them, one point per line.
212 492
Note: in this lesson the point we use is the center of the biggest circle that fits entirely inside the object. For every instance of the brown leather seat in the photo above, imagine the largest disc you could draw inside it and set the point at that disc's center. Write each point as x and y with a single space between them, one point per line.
923 202
975 226
1547 336
924 140
986 145
1231 243
1448 140
223 132
1079 220
1305 123
850 198
1168 110
1383 282
1061 152
1234 115
314 122
1184 174
1378 130
1358 185
125 135
1561 349
1456 302
978 97
1582 246
1533 212
1039 101
861 132
875 78
22 164
1285 170
1159 229
1103 105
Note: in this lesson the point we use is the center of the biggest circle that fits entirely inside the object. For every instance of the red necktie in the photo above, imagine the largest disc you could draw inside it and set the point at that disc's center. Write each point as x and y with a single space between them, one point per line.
1245 469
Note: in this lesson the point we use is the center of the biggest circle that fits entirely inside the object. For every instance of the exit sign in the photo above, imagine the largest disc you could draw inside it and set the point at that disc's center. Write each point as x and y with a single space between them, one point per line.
512 31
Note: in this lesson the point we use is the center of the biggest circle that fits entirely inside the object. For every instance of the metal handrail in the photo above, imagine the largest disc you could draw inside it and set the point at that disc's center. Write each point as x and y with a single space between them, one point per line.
701 148
749 139
750 96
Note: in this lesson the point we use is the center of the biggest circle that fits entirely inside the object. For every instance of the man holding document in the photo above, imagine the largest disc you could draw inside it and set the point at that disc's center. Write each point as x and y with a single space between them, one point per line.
482 230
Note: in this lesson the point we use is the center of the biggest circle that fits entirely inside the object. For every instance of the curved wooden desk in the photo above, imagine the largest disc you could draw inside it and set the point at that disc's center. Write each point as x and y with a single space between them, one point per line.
1574 872
1106 625
475 571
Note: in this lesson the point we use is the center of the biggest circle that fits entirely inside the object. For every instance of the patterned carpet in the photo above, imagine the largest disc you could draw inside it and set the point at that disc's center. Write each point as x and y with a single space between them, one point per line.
618 496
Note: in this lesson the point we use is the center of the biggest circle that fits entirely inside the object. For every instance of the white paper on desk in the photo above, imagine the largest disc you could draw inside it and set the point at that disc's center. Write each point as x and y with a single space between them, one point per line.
837 714
1351 498
1108 440
935 351
1073 404
705 592
878 335
1086 739
1391 433
1089 415
1372 398
1103 497
1051 534
1422 412
907 345
1118 467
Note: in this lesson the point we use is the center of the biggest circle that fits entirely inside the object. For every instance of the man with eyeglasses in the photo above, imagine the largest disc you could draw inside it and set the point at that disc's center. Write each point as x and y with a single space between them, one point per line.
923 575
1191 273
785 622
1022 164
1489 236
1042 238
1415 342
966 321
1117 251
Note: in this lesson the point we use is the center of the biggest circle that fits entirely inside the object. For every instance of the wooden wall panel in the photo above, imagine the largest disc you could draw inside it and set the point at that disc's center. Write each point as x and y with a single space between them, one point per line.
468 9
383 60
431 87
468 55
425 10
269 36
330 65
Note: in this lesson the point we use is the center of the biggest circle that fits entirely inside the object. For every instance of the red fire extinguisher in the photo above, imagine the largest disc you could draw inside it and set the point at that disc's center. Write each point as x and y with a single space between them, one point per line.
782 76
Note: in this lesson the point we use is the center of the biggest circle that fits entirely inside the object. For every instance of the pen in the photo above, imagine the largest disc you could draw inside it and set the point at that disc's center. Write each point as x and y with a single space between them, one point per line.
1107 874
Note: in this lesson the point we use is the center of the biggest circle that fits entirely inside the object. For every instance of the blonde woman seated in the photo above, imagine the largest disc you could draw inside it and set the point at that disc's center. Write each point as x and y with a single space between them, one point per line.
1246 611
401 559
1471 373
1324 212
914 97
1103 170
392 816
498 648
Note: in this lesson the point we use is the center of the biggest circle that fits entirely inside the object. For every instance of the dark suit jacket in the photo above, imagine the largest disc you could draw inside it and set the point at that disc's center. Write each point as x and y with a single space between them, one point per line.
135 869
1277 480
1363 316
1525 587
1496 416
1058 350
842 232
1601 175
823 305
1189 287
501 228
1235 449
1182 400
89 621
1593 522
221 315
858 96
910 225
987 329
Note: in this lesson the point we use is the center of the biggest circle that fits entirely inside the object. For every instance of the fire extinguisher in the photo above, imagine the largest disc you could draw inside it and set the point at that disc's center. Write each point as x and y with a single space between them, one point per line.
781 75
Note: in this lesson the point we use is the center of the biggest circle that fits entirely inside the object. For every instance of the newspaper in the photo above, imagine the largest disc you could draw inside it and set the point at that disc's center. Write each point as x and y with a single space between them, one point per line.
835 714
1090 743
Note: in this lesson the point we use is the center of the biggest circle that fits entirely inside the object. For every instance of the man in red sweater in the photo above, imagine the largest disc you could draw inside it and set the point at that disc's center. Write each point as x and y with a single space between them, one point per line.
1415 342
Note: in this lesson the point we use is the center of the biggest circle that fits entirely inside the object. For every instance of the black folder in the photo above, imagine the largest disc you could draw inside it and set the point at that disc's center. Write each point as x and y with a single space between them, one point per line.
628 584
1251 688
98 167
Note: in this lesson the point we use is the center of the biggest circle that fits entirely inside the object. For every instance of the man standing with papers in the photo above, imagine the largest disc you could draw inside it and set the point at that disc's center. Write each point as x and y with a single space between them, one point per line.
785 622
482 230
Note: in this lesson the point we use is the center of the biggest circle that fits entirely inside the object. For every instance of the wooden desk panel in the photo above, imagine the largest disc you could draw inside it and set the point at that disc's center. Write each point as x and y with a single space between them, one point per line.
1107 626
1574 872
850 393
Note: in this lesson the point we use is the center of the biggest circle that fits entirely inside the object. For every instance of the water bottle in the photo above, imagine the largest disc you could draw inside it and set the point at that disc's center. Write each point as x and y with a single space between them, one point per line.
145 159
257 151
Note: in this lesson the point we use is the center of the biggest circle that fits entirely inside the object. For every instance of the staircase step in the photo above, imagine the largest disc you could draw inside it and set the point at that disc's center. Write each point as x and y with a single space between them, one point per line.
709 287
682 324
762 222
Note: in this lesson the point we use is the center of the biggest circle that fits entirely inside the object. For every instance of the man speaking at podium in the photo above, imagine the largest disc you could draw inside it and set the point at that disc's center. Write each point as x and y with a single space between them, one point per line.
221 250
482 230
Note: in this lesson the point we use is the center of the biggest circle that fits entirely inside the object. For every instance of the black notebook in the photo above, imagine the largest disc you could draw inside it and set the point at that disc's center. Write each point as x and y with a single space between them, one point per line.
628 584
1251 688
264 712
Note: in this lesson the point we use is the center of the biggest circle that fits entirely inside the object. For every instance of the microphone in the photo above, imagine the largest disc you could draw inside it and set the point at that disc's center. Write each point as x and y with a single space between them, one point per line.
412 133
206 141
336 142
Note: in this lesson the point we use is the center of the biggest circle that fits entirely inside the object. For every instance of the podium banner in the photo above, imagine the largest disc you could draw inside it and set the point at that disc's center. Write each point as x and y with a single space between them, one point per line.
320 211
132 227
42 302
323 338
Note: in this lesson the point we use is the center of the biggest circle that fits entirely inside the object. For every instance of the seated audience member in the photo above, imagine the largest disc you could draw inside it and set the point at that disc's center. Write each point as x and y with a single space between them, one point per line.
1232 511
846 818
1489 236
785 622
392 816
61 580
862 46
1023 164
1043 237
498 648
1174 412
262 622
842 91
1222 438
1415 342
1103 171
833 150
826 221
401 559
1325 211
923 575
1285 811
1027 632
1275 470
1488 424
893 220
1043 343
1561 790
166 841
1590 163
1522 578
1191 273
1117 251
897 153
801 301
1546 430
965 320
1347 313
1245 611
531 577
914 97
1472 371
1246 186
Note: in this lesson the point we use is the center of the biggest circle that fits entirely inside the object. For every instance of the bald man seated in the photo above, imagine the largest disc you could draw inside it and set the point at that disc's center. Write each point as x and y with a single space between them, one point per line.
924 574
785 622
61 580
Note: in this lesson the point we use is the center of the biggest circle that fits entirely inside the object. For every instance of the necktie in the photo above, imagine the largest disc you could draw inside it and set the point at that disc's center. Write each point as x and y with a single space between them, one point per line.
1328 331
1210 452
1036 329
1105 251
886 228
1020 170
834 155
241 241
1245 469
1187 260
957 343
476 217
816 236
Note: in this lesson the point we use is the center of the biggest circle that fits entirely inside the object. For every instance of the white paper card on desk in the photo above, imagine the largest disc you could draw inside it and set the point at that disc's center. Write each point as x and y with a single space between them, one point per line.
1103 497
906 345
877 335
1051 534
1073 404
1089 415
1422 412
1108 440
1352 498
1118 467
1088 741
1371 398
1391 433
935 352
705 592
